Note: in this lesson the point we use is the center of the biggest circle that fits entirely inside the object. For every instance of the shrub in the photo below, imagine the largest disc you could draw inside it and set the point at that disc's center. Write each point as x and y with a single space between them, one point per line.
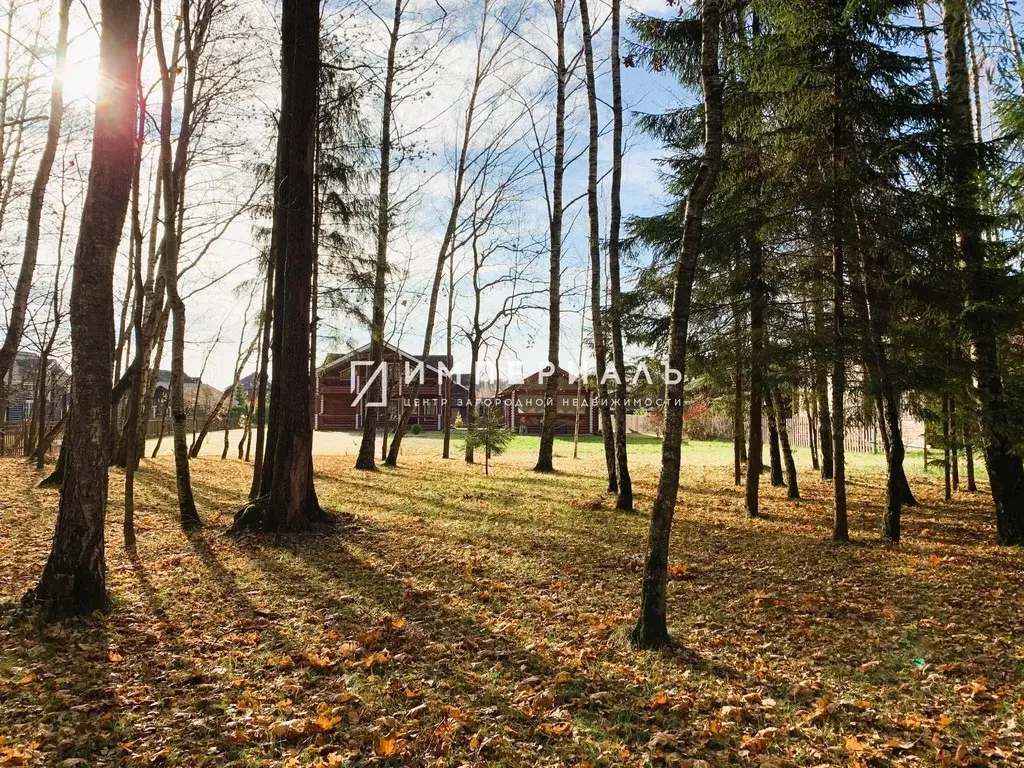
416 429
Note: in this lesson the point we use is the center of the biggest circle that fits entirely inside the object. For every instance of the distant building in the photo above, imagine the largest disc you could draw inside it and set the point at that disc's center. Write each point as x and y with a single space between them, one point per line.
22 381
335 396
208 396
522 405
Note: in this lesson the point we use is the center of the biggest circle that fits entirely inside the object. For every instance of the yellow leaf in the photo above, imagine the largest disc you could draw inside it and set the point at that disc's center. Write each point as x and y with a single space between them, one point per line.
660 700
28 679
374 659
555 729
115 657
326 722
347 650
561 677
288 729
317 661
14 756
853 744
387 746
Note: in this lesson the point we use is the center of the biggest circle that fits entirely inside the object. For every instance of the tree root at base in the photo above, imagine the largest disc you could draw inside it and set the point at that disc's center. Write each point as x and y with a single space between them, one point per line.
255 517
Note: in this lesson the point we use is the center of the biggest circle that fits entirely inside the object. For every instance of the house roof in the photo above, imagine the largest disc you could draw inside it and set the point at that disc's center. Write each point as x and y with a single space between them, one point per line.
533 381
430 361
164 377
24 370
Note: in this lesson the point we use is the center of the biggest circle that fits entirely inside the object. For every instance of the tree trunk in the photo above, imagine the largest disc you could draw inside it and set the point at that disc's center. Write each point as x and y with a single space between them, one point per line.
624 502
474 354
812 430
737 404
948 491
248 413
975 72
1011 29
446 450
1005 468
897 489
200 437
157 357
779 411
365 459
19 302
954 433
821 392
228 397
924 447
594 248
579 381
56 478
245 441
755 380
545 456
74 580
261 385
873 301
28 427
774 451
972 486
144 300
40 406
840 525
783 435
449 235
47 440
926 34
651 630
186 502
290 503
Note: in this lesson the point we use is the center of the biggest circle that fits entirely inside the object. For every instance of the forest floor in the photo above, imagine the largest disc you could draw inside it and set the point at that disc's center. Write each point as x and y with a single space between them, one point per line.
466 620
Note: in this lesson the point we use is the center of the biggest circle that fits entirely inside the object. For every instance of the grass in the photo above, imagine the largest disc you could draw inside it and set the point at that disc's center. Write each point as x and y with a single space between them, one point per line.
478 621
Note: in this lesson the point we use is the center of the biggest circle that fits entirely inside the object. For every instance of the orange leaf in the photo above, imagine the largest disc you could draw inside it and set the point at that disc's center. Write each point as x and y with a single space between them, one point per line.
853 744
387 746
660 700
326 722
555 729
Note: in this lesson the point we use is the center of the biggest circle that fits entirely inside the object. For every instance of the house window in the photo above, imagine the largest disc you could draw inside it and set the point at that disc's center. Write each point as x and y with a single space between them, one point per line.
428 406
